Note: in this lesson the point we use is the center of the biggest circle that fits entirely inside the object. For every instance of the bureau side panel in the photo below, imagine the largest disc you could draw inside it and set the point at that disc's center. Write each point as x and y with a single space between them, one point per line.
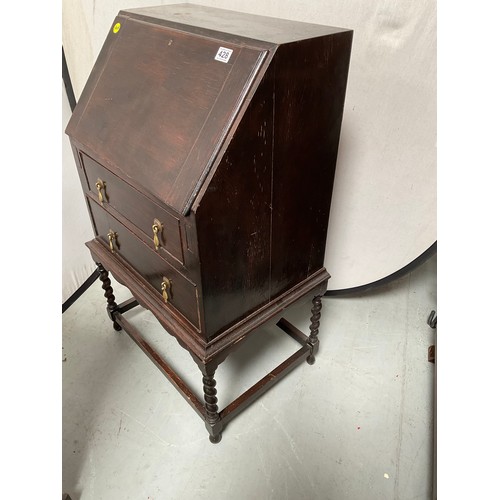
233 219
311 78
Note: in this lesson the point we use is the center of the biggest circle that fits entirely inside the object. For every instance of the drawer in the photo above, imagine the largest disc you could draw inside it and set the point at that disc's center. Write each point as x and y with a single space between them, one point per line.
139 210
181 293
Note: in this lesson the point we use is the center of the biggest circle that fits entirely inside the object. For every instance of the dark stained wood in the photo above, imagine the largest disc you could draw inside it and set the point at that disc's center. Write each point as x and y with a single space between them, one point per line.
236 89
127 305
213 420
183 100
135 207
263 385
162 365
293 331
235 270
431 354
210 396
232 25
183 294
203 352
308 114
173 322
234 160
314 328
111 306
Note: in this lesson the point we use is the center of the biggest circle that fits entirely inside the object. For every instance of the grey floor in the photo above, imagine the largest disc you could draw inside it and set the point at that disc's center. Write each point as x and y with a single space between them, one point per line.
358 425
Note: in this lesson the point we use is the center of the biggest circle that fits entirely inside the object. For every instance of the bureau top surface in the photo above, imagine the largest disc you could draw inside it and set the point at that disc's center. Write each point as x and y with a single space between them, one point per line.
159 103
267 29
168 88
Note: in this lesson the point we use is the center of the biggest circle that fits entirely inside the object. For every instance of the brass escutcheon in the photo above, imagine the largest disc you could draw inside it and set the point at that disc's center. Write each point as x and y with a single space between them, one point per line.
157 229
112 241
166 284
101 191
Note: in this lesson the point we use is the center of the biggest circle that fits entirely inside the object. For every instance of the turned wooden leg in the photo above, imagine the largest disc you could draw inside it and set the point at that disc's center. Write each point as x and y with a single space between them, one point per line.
212 420
314 327
111 306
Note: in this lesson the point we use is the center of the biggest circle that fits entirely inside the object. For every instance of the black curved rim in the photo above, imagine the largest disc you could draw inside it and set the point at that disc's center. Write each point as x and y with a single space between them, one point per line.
388 279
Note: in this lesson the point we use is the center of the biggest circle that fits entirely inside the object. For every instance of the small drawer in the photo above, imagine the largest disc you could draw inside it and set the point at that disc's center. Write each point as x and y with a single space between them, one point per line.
160 228
175 289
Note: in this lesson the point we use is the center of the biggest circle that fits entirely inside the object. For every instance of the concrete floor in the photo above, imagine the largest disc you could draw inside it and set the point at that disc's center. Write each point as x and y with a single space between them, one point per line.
358 425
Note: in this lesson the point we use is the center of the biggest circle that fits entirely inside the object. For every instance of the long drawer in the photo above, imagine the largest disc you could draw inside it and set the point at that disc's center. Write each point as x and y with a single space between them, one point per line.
175 289
109 189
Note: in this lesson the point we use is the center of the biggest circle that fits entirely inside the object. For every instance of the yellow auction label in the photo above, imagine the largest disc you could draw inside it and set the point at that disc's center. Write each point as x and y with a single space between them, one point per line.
116 27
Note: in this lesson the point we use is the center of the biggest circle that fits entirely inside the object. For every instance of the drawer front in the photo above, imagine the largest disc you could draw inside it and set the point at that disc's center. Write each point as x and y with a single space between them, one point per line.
181 293
135 207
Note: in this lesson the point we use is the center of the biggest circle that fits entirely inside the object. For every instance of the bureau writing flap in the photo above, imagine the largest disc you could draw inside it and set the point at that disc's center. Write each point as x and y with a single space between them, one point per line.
159 104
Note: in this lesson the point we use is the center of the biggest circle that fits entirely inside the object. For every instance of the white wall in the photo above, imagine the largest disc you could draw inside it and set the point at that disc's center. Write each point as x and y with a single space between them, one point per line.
384 205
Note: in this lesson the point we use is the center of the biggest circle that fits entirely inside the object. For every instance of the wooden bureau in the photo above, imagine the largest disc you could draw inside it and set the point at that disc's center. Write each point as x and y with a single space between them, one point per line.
206 143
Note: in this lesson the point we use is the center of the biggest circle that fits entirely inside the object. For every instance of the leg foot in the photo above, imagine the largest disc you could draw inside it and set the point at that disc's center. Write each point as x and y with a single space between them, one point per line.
314 328
215 439
111 306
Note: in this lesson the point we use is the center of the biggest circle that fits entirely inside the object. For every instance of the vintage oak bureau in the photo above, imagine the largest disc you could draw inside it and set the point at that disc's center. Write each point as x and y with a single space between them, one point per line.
206 143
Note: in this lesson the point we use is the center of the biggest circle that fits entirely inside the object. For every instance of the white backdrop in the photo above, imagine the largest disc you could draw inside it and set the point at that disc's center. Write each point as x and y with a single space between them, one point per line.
77 264
384 205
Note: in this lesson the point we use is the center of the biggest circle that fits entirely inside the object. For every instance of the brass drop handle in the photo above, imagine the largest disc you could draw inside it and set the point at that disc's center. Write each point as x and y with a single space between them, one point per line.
157 229
101 190
112 241
165 288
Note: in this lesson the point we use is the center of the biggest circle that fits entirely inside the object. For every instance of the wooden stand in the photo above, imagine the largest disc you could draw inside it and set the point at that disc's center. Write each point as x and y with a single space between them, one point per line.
206 143
215 420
